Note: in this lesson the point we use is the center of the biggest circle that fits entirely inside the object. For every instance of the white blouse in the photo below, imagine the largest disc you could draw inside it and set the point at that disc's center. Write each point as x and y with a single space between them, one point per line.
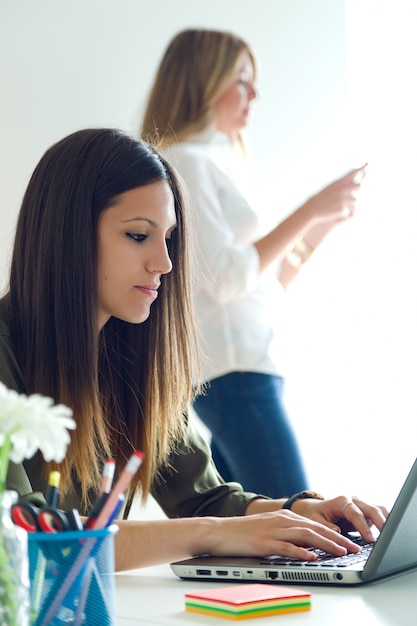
235 313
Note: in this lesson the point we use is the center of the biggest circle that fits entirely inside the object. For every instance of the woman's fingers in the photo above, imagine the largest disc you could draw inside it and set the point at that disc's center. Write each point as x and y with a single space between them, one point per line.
363 516
279 533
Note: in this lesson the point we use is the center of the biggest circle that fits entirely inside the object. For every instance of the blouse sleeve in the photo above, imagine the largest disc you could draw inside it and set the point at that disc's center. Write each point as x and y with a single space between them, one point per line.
227 264
11 375
191 486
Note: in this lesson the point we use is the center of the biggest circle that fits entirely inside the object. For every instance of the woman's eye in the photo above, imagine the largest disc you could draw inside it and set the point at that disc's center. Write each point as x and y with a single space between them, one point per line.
245 82
136 237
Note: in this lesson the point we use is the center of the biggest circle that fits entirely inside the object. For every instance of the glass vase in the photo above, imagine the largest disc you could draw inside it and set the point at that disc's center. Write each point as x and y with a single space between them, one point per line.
14 567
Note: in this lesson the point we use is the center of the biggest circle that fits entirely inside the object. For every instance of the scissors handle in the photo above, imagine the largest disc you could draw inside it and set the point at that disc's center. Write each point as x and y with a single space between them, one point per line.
47 519
26 515
52 520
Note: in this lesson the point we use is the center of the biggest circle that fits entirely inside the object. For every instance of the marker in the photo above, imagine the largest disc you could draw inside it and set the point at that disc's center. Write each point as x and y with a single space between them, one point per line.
131 468
52 493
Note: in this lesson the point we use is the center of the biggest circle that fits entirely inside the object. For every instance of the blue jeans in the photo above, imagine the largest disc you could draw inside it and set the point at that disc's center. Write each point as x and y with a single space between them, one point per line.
252 441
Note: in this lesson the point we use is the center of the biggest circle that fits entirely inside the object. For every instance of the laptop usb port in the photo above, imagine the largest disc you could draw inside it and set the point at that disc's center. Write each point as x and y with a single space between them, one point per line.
203 572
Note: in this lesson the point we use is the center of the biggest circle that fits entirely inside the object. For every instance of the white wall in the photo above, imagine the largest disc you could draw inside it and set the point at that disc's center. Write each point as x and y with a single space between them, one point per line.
76 63
355 360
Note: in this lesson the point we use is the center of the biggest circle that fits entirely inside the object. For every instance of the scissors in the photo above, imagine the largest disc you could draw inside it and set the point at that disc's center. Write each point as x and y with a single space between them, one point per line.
47 519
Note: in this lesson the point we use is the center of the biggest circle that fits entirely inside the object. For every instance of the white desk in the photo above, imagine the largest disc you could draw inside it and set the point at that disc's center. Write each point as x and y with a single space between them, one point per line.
155 597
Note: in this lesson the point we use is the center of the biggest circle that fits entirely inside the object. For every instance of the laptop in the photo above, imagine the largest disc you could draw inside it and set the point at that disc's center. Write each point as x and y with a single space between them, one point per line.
393 552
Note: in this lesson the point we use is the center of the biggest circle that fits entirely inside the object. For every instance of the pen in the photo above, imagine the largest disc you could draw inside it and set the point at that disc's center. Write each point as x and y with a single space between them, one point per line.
122 483
116 509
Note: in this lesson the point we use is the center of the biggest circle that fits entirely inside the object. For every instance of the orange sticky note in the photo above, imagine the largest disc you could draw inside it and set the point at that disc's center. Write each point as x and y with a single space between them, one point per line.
248 600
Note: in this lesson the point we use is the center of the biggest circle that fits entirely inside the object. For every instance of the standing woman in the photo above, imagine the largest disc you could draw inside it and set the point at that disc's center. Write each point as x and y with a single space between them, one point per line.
198 107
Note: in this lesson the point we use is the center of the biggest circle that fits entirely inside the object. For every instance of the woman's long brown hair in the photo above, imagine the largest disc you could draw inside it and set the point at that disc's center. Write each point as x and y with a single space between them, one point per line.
129 385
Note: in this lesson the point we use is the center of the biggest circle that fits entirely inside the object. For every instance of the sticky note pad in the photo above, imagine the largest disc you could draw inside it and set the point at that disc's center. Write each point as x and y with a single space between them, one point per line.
247 600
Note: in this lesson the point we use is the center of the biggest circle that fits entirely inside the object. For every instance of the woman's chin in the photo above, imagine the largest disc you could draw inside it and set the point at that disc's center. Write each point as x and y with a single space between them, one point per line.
135 318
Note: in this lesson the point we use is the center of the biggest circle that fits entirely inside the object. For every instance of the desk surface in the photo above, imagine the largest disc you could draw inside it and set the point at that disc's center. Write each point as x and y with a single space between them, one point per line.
155 597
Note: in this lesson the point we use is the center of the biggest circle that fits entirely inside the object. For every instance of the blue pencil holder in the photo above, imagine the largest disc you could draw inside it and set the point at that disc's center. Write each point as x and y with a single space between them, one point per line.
72 577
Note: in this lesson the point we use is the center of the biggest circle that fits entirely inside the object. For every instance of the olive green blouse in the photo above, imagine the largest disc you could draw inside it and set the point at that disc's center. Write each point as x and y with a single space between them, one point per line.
189 486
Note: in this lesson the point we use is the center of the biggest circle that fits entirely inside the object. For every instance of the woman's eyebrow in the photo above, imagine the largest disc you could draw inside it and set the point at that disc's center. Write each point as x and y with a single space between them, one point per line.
140 219
149 221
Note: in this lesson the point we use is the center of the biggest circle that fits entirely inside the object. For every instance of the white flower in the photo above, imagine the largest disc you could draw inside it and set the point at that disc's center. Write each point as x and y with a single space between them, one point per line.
32 423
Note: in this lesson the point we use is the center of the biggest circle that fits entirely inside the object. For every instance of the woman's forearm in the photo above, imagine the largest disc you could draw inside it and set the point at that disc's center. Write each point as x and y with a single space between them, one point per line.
274 246
146 543
265 529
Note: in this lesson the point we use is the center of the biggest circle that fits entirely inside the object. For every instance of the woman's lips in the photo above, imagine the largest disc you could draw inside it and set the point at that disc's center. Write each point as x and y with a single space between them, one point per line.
152 292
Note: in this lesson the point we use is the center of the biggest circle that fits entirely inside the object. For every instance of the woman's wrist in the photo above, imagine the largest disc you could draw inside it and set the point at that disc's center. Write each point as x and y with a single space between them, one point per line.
307 494
263 505
299 253
309 213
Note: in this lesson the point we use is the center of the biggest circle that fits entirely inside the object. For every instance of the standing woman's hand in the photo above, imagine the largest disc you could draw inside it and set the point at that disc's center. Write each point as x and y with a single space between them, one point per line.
337 201
332 205
312 220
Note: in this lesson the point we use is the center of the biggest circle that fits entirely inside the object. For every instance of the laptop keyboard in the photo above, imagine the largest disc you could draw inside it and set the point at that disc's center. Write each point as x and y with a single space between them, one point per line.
326 559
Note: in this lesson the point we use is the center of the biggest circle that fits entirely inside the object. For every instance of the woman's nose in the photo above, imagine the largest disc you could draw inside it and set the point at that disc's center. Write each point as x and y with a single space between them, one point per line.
161 263
252 92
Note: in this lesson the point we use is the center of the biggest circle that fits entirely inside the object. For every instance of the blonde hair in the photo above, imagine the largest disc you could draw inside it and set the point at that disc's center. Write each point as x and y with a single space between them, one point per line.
192 74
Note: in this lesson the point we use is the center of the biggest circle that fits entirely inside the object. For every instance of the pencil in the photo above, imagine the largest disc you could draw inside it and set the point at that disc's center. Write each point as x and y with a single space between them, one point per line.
122 483
107 476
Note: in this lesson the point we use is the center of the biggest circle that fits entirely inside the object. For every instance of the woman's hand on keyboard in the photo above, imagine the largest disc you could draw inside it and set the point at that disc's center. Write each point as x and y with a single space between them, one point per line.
344 513
336 513
276 532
